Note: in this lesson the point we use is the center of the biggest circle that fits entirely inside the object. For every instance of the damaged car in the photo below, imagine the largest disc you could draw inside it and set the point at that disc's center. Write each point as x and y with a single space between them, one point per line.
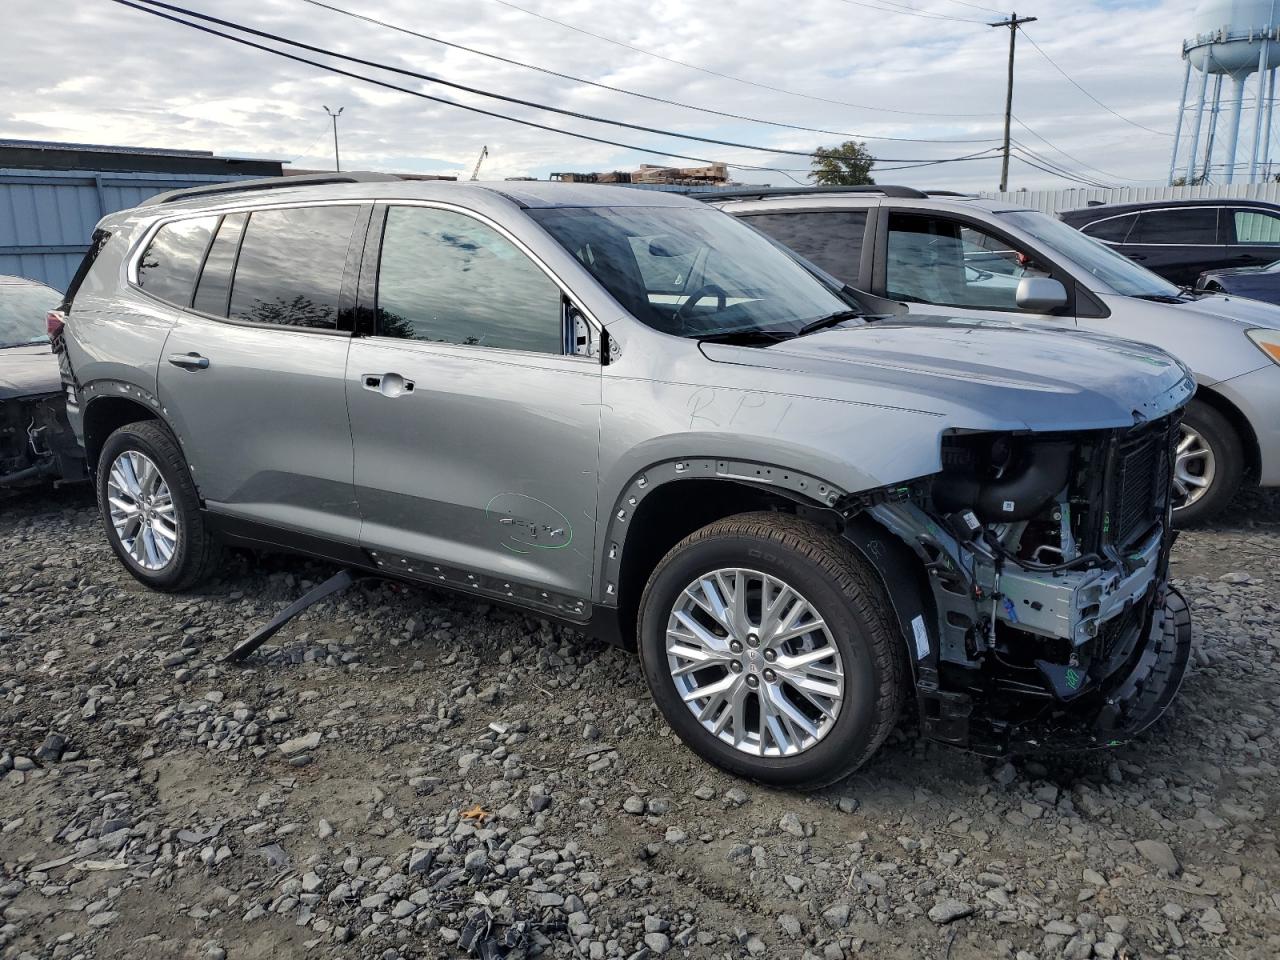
36 442
805 513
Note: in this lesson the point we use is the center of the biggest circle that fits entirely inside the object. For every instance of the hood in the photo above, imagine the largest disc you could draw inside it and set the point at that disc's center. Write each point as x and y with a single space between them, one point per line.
1243 311
983 375
28 371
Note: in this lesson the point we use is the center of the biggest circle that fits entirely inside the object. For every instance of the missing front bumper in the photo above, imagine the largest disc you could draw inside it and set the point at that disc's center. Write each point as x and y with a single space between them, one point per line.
1128 704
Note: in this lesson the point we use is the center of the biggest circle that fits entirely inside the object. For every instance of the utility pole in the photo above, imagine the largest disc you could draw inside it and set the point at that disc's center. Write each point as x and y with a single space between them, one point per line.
1013 23
334 117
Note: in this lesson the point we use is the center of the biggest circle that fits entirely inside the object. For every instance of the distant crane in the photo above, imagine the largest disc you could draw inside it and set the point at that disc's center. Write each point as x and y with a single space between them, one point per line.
484 154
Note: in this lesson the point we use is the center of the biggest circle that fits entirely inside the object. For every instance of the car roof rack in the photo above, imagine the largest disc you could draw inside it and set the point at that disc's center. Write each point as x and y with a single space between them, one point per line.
909 193
267 183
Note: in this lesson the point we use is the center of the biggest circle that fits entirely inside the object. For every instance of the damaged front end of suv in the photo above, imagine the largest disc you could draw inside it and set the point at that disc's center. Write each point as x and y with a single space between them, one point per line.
1050 619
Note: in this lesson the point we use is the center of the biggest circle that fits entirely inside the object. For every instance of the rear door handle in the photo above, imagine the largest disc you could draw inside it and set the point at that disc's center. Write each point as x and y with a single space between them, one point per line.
191 361
388 384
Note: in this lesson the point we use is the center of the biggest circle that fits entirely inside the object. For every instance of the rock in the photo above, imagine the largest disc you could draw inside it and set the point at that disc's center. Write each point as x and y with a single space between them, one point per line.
1159 854
946 911
300 744
659 943
790 823
633 805
837 915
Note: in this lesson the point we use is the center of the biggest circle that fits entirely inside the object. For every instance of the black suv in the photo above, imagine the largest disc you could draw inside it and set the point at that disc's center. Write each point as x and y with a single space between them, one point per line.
1180 239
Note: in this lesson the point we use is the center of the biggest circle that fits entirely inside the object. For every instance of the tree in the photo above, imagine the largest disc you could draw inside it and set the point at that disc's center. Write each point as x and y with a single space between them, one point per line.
846 165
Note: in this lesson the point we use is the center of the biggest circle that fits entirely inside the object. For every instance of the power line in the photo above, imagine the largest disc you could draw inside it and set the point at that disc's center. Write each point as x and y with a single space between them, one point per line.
911 12
425 96
1109 110
631 93
978 6
1073 158
1061 170
1030 163
729 76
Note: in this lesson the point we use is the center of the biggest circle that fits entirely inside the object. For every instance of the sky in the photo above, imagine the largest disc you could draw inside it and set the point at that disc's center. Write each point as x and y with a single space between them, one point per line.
920 70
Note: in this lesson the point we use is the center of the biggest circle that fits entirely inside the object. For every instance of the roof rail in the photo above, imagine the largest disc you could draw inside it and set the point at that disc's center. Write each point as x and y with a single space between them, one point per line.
750 194
266 183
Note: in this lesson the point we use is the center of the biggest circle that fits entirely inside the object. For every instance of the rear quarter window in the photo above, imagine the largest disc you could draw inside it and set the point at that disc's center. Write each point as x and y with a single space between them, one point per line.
832 239
168 266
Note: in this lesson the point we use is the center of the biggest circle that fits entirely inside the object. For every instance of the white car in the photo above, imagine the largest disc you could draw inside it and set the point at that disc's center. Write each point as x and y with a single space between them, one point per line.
976 258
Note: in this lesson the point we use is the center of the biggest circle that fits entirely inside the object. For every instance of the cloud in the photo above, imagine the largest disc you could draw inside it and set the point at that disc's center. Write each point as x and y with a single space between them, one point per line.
123 77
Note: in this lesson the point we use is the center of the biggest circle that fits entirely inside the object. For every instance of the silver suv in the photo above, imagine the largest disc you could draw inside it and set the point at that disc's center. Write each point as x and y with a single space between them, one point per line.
803 513
984 259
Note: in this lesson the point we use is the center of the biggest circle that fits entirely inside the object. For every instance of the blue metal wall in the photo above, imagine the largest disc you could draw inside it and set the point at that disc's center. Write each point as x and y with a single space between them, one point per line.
48 216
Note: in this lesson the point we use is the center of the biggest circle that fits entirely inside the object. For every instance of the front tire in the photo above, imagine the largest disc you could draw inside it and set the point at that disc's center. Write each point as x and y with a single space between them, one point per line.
151 511
1208 465
770 649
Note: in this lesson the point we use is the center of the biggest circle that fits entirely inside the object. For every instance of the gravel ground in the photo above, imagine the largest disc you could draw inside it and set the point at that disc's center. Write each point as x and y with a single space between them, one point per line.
403 772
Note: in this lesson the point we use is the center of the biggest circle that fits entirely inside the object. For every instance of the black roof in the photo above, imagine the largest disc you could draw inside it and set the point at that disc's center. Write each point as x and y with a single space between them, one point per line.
1099 211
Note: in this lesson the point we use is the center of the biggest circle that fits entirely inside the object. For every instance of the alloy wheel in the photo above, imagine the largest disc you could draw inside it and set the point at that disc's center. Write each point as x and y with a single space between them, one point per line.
142 510
755 662
1194 467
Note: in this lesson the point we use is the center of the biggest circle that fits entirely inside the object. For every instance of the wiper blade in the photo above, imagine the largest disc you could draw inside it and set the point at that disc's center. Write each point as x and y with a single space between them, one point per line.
828 321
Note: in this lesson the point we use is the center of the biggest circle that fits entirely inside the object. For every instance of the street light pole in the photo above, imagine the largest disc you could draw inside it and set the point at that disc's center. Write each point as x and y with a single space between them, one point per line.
1012 23
334 116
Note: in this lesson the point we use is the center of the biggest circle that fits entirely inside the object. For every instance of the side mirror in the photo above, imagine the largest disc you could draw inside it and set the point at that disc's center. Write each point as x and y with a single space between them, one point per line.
1040 294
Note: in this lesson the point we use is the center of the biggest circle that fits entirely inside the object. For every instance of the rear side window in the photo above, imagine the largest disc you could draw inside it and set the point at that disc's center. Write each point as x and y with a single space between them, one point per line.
168 267
1112 229
1194 226
214 287
832 239
289 271
447 277
1255 228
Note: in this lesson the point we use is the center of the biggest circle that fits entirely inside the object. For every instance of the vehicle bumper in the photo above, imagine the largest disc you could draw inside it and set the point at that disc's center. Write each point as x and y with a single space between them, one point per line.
1127 703
1257 396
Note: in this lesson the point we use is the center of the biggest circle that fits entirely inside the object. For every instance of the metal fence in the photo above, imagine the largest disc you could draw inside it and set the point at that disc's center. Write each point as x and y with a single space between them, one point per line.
1055 201
48 216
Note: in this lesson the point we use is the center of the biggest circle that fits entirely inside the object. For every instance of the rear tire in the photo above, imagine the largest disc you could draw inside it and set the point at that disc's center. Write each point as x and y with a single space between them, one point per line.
1215 452
151 511
766 555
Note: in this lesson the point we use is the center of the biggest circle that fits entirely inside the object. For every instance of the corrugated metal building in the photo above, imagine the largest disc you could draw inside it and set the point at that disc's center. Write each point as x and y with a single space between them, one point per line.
52 194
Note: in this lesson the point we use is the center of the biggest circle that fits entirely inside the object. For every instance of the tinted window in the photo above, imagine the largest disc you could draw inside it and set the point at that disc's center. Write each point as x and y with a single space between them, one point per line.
832 240
23 306
290 267
1256 228
447 277
1113 229
1190 225
932 260
214 285
168 267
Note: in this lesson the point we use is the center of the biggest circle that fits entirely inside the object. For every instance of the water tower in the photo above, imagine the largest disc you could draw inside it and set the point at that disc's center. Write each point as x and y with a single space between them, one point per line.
1234 39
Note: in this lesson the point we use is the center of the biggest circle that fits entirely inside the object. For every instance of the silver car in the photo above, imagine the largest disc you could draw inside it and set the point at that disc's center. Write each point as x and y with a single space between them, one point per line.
982 259
804 514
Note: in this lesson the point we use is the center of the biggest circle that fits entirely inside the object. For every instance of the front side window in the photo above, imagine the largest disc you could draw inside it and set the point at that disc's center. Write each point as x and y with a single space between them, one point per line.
167 268
832 239
447 277
1112 229
289 271
1193 226
949 263
1255 228
724 278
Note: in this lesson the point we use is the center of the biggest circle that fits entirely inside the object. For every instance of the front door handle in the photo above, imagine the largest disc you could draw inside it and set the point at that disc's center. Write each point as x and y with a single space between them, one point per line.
191 361
388 384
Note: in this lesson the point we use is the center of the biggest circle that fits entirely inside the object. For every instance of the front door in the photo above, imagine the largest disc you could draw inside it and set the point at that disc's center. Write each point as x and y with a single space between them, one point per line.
938 265
476 432
253 374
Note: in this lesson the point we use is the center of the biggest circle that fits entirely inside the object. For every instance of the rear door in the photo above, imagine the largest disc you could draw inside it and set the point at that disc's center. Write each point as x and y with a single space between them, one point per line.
253 373
1253 236
1179 243
476 430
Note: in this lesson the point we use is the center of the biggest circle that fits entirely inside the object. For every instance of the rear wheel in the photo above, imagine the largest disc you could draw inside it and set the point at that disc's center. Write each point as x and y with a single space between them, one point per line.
151 511
1208 465
769 648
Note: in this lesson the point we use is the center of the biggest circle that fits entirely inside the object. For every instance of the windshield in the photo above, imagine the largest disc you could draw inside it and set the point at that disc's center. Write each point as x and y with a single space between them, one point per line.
22 310
1118 272
692 272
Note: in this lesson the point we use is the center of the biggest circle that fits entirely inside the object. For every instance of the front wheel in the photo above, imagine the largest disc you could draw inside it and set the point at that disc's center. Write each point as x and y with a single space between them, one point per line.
151 511
770 650
1208 465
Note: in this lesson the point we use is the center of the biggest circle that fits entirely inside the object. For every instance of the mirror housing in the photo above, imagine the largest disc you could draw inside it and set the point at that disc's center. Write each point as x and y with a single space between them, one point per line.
1040 294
